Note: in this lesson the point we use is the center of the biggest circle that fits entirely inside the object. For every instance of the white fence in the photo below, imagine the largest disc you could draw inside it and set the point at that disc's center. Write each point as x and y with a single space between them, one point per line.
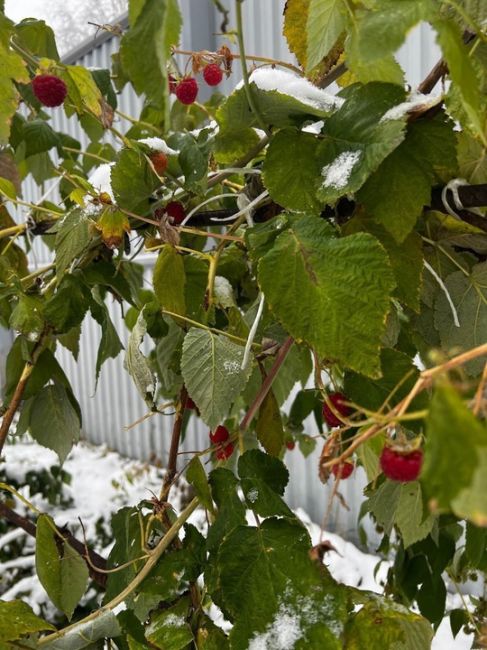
115 403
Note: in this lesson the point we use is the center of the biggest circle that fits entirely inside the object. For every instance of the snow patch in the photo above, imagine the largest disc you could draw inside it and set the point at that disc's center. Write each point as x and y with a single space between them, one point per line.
415 101
291 84
174 621
101 179
253 495
158 144
337 174
281 634
231 367
223 292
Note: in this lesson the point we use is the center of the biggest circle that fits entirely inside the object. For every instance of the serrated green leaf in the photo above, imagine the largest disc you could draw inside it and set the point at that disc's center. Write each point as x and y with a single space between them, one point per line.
110 344
291 170
475 544
168 629
231 511
27 316
356 140
384 624
67 308
401 504
72 239
125 531
469 295
17 620
326 21
137 364
211 368
169 280
456 445
61 570
144 51
271 566
315 282
263 480
37 37
82 89
39 137
12 68
269 428
395 195
133 180
54 422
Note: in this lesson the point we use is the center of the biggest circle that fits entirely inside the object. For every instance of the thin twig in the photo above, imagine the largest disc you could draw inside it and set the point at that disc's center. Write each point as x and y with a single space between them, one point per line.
173 449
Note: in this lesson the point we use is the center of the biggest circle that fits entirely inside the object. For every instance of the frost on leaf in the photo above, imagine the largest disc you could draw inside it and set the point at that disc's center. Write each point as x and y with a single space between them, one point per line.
337 173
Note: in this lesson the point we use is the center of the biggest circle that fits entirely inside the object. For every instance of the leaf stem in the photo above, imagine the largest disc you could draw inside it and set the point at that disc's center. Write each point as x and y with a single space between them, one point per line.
195 323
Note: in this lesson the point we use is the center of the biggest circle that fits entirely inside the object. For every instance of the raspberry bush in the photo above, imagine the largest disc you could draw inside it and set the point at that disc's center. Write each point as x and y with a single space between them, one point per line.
331 235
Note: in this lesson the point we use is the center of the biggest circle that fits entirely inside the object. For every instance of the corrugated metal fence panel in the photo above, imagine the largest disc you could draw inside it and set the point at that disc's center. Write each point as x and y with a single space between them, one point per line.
115 403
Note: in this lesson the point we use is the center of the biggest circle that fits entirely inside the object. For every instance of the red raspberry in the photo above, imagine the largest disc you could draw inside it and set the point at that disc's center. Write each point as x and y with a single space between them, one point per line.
401 466
337 399
173 82
212 74
290 444
175 210
49 90
159 160
225 452
342 470
220 434
187 90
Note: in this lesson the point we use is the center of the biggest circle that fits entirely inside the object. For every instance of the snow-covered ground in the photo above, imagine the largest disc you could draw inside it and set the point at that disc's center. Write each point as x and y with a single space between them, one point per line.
102 482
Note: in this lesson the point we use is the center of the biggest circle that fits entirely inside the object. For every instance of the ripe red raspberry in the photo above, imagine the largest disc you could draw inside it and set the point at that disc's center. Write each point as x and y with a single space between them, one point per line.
159 160
49 90
187 90
342 470
337 399
212 74
401 466
290 444
220 434
225 452
173 82
175 210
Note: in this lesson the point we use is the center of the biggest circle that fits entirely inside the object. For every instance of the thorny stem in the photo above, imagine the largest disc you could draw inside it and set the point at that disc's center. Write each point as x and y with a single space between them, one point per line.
250 57
267 383
143 573
173 450
20 388
245 73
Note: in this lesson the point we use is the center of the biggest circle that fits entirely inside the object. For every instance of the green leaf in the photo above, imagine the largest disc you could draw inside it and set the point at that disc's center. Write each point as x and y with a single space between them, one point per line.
54 422
27 316
291 170
144 51
110 344
263 480
193 162
133 180
168 629
475 544
72 239
462 74
196 476
326 21
211 368
455 446
169 280
401 504
12 68
39 137
82 89
471 502
469 295
234 145
7 189
61 570
17 620
231 511
315 282
136 363
395 195
384 624
274 593
356 140
104 626
67 308
125 531
269 428
37 37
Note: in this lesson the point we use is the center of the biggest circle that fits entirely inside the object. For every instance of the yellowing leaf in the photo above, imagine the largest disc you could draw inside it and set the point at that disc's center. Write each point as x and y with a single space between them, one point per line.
12 68
113 224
